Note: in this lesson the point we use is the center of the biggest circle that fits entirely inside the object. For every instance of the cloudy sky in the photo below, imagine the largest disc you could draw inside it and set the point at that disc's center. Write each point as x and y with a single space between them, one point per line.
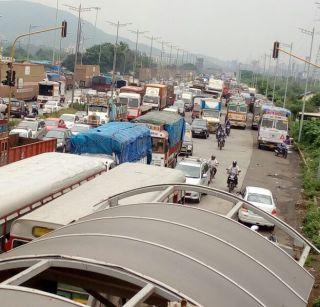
226 29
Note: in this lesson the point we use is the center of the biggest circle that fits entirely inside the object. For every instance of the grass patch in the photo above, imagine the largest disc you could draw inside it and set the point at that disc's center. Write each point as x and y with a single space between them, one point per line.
311 224
70 110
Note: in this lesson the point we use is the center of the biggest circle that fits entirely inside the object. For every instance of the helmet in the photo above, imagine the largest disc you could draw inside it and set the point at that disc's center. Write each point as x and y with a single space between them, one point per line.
213 157
234 163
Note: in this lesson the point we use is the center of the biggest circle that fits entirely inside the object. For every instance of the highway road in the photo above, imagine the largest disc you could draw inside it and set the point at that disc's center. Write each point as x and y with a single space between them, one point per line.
258 168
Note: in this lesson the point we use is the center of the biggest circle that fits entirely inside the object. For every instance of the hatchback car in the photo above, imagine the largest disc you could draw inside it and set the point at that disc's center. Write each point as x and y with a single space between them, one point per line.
261 198
199 127
38 127
197 172
63 138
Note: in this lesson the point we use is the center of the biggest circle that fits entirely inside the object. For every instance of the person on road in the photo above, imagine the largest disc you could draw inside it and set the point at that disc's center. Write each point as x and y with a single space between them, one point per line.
213 164
233 170
287 141
220 132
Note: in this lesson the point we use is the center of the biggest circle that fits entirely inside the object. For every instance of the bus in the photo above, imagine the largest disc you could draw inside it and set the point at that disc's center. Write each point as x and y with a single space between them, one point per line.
89 198
31 183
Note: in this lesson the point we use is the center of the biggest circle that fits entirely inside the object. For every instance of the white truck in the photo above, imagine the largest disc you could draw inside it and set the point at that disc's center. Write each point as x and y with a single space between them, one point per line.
51 91
273 126
91 197
33 182
211 112
187 97
215 88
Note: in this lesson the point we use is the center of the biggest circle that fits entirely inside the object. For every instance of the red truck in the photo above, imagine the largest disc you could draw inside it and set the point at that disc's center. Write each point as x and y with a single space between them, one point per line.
14 148
132 96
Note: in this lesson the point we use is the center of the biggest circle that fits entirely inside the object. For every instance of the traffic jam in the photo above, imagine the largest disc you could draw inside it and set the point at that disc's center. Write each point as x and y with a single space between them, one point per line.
146 135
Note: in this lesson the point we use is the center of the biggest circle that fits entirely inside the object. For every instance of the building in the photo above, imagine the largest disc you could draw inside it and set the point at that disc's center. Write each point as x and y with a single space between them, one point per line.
84 73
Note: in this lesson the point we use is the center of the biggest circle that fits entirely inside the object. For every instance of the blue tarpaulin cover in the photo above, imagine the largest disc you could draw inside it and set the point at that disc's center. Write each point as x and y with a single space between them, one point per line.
173 123
128 141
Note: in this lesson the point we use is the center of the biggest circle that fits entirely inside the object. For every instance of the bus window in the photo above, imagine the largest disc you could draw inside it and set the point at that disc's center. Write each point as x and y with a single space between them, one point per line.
267 123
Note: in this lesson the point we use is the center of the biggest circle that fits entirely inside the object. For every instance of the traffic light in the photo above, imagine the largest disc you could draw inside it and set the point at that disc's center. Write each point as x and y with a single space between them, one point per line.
275 52
8 78
13 79
64 29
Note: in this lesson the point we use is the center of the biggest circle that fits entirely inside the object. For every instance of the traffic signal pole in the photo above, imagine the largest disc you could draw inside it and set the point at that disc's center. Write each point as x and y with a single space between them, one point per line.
63 28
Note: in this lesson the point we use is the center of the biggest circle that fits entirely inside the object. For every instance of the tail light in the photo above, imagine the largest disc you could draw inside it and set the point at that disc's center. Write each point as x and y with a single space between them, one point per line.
274 212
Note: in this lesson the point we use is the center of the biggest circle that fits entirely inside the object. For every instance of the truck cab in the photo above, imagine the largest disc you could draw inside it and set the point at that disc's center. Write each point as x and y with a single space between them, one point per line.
49 90
156 96
237 114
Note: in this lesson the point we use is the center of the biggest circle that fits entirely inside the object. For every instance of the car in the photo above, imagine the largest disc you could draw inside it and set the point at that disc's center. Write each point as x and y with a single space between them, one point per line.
63 138
78 128
199 127
51 106
19 108
52 123
24 133
3 106
261 198
69 119
180 104
196 171
38 127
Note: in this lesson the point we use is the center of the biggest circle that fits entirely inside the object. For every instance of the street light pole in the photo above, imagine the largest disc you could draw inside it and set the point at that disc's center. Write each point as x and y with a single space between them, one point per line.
28 48
268 76
311 33
287 79
137 32
79 10
275 79
54 34
117 25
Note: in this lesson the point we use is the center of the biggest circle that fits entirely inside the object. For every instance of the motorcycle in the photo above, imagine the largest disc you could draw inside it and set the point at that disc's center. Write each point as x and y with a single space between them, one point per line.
221 142
232 181
228 130
281 150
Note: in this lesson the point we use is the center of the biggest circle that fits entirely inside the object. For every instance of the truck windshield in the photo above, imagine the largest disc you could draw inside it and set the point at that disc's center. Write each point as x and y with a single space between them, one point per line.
123 100
151 99
242 109
281 125
211 113
95 108
256 110
45 90
267 123
133 103
232 108
158 145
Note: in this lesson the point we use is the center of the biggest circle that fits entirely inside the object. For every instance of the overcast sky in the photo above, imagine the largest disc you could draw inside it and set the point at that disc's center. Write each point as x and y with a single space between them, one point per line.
226 29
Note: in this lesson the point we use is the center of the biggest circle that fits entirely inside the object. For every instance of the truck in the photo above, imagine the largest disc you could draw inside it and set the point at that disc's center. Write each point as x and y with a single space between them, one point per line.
167 133
257 112
132 96
31 183
215 88
89 198
50 91
14 148
273 126
187 97
237 113
125 142
102 83
211 112
85 73
156 96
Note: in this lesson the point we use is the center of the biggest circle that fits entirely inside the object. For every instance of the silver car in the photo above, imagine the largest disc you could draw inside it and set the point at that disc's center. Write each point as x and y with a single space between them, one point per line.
197 172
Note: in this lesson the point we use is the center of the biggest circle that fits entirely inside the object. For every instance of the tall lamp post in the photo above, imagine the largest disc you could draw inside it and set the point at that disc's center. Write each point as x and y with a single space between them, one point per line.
117 25
28 48
310 33
138 33
152 39
79 10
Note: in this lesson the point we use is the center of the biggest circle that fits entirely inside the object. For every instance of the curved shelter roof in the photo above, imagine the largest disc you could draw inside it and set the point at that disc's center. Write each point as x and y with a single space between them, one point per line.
181 251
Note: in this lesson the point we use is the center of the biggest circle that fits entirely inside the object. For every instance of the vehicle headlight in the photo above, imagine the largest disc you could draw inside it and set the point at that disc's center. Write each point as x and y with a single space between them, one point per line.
189 147
59 144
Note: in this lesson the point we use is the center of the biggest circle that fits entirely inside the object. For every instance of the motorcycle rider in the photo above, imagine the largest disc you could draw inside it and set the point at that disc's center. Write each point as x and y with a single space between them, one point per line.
220 132
233 170
287 141
213 164
228 126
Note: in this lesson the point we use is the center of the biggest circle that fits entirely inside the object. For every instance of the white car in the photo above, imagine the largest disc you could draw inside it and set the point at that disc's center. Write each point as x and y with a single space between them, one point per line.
69 119
22 132
261 198
197 172
51 106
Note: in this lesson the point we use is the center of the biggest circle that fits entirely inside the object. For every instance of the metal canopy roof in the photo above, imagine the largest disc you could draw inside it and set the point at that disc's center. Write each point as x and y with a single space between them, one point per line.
13 296
200 255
